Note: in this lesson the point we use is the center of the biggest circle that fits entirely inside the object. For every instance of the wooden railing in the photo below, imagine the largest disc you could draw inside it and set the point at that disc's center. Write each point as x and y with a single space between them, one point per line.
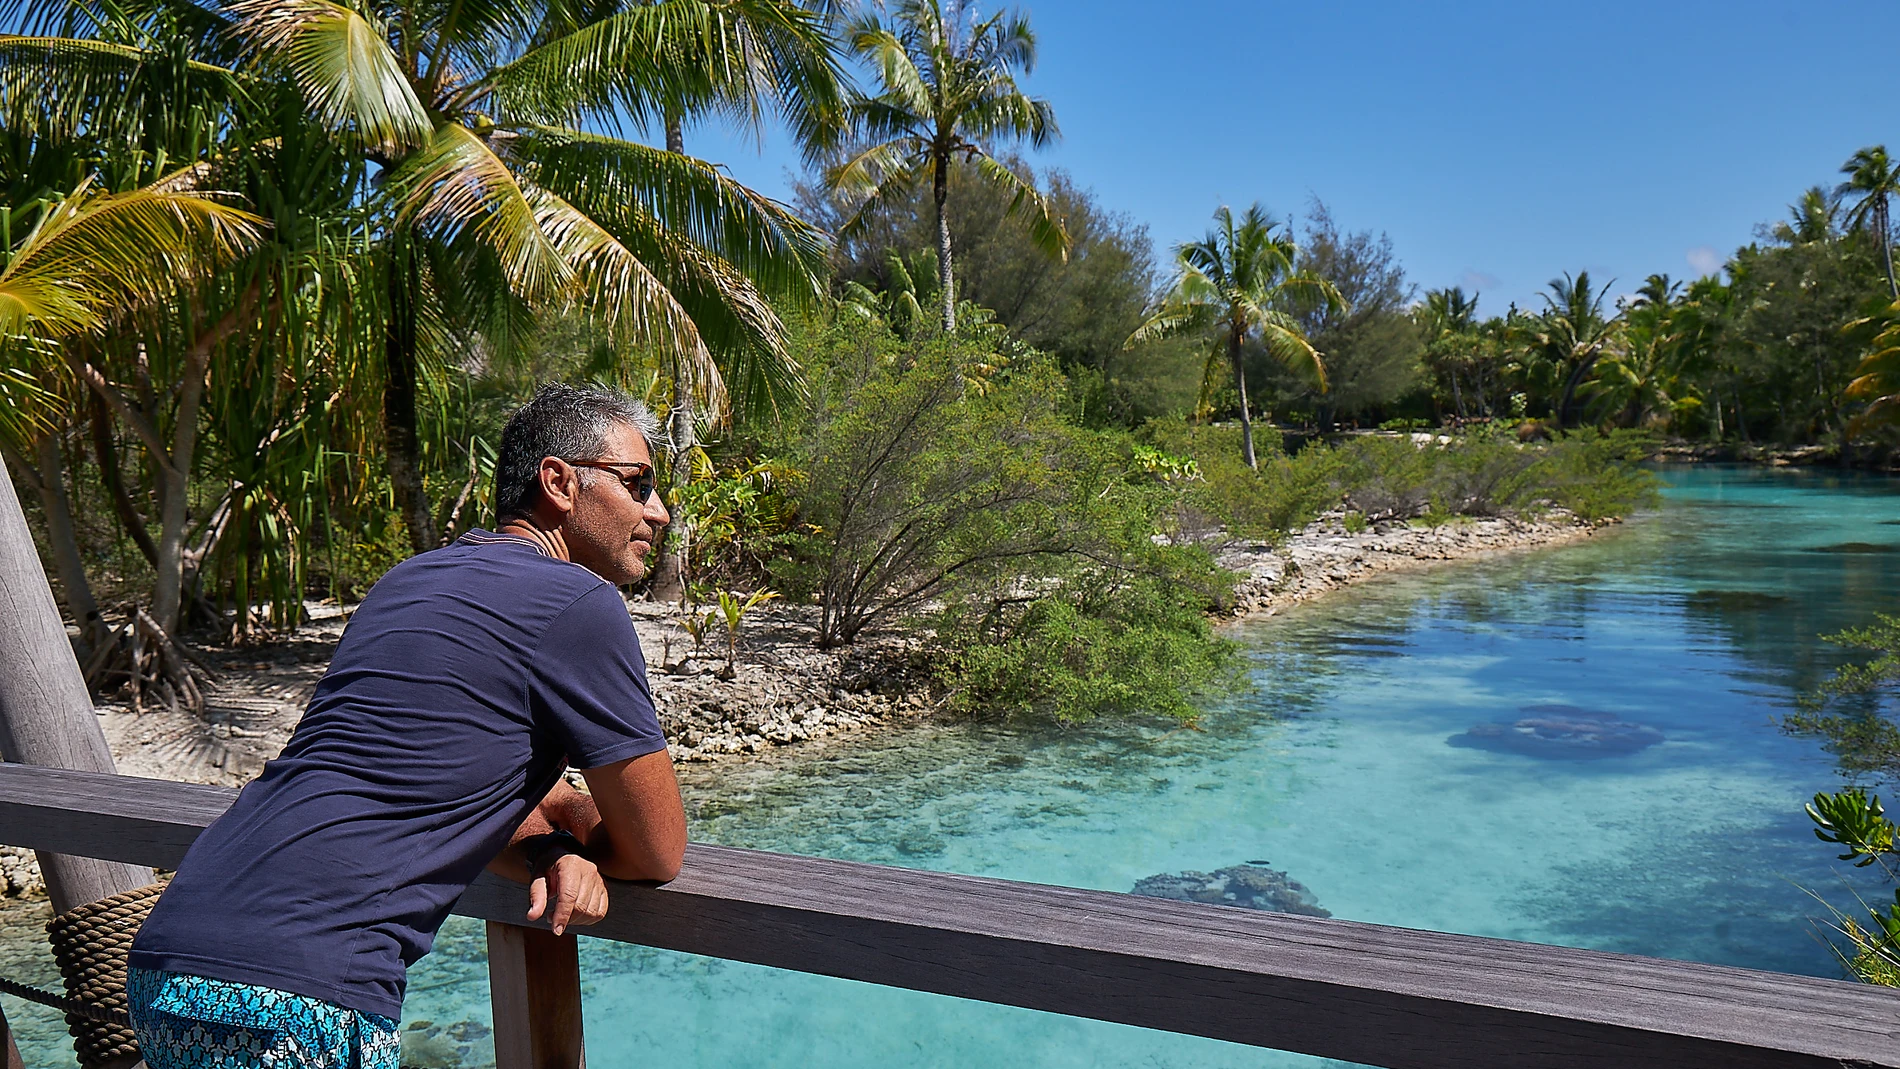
1360 992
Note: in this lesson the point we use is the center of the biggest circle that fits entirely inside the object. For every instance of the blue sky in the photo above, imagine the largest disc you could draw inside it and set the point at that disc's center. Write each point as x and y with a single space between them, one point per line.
1498 144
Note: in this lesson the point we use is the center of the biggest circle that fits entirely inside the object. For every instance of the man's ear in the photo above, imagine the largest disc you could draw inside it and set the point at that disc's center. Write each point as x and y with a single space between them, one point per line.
560 482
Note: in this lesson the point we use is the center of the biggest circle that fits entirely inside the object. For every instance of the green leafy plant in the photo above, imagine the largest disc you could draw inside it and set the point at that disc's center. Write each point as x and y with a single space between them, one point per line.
1846 711
1094 640
1856 821
733 607
698 626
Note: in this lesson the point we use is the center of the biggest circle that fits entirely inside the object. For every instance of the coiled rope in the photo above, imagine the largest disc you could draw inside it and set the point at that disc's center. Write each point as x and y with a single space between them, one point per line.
90 944
63 1004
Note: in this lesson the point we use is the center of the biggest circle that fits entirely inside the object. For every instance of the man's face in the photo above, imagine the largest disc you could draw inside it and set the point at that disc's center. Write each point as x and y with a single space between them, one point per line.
608 532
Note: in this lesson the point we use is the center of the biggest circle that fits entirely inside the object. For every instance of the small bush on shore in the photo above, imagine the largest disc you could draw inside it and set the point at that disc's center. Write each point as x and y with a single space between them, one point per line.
1485 473
1127 637
945 486
1284 494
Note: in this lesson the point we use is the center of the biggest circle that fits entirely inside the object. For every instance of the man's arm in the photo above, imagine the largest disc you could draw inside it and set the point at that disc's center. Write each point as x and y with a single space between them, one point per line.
564 809
640 832
567 886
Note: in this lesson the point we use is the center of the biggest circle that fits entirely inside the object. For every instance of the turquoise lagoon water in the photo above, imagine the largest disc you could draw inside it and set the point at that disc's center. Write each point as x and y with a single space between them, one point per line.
1698 619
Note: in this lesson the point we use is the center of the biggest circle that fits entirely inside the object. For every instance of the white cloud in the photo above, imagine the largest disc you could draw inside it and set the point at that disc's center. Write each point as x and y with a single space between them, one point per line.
1474 279
1704 259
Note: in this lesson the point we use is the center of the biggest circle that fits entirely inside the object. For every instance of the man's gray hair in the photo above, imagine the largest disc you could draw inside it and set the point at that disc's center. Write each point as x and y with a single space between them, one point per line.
570 422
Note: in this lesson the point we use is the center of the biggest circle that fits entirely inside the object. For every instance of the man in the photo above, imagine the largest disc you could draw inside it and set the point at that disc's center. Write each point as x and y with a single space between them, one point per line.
468 679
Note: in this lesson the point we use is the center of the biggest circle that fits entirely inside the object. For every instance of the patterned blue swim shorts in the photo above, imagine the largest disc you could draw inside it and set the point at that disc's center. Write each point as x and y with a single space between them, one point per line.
191 1022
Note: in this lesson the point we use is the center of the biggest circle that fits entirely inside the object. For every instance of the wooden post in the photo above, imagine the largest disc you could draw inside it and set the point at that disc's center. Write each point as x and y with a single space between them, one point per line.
534 985
9 1050
46 715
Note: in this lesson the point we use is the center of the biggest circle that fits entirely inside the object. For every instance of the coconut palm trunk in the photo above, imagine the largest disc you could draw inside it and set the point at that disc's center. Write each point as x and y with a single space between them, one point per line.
669 571
1234 336
676 542
946 275
1885 227
401 427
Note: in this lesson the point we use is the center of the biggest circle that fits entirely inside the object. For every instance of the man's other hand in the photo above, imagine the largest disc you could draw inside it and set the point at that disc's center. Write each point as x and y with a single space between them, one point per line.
570 892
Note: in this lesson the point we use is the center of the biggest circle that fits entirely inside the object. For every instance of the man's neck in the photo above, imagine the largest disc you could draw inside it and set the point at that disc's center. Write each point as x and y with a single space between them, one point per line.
549 540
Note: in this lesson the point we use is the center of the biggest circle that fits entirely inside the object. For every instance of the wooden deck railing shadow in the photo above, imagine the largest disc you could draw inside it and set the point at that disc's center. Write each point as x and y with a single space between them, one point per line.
1359 992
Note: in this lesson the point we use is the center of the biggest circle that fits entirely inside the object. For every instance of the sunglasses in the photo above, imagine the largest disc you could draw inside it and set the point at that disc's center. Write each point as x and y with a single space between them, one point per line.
640 482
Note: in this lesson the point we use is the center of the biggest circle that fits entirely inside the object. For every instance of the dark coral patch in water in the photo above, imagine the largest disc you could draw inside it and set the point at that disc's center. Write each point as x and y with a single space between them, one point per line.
1857 547
1561 732
1249 886
1736 601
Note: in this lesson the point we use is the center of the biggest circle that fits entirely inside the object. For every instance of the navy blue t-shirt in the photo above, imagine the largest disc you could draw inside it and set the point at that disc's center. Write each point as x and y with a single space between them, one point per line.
464 683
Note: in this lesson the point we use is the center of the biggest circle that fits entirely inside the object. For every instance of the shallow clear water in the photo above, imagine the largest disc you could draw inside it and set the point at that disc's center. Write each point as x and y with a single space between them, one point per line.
1698 620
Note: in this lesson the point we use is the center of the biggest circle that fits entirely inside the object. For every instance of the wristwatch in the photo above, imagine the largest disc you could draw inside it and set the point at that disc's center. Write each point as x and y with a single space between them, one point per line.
544 850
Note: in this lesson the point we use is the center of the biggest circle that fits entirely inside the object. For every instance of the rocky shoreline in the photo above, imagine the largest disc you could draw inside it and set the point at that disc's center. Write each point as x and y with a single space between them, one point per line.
1326 555
779 690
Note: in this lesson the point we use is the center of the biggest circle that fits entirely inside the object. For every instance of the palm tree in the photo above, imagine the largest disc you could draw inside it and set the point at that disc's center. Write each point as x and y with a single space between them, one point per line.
1872 177
497 193
949 96
91 260
1449 318
1877 377
1572 334
1643 375
1239 283
1810 219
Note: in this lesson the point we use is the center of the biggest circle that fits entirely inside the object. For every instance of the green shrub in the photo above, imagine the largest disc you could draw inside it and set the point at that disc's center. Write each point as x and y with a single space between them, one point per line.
1097 639
946 486
1486 472
744 519
1284 494
1847 712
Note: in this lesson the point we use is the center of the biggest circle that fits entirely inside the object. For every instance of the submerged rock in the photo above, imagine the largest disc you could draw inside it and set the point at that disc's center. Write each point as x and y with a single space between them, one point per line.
1856 547
1561 731
1249 886
1737 601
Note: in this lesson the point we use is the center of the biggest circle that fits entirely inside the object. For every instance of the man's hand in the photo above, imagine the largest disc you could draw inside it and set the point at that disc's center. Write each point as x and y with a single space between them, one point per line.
573 887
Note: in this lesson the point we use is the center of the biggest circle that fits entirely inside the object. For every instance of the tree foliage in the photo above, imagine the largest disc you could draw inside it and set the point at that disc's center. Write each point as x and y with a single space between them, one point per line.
947 96
1243 283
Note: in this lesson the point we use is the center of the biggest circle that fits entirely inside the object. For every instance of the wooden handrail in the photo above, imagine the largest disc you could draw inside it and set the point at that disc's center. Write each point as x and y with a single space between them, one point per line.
1340 989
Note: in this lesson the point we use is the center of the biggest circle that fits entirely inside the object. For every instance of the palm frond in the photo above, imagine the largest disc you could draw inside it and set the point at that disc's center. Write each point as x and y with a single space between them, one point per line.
742 58
601 176
93 256
1045 229
615 283
1291 348
904 84
456 184
877 178
639 60
735 320
343 62
61 85
27 408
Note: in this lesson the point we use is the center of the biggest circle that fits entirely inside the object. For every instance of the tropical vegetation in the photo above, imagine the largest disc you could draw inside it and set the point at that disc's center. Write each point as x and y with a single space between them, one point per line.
275 273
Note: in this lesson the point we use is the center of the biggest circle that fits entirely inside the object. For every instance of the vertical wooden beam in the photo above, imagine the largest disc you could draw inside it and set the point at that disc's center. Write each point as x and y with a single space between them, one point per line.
9 1050
534 984
46 715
